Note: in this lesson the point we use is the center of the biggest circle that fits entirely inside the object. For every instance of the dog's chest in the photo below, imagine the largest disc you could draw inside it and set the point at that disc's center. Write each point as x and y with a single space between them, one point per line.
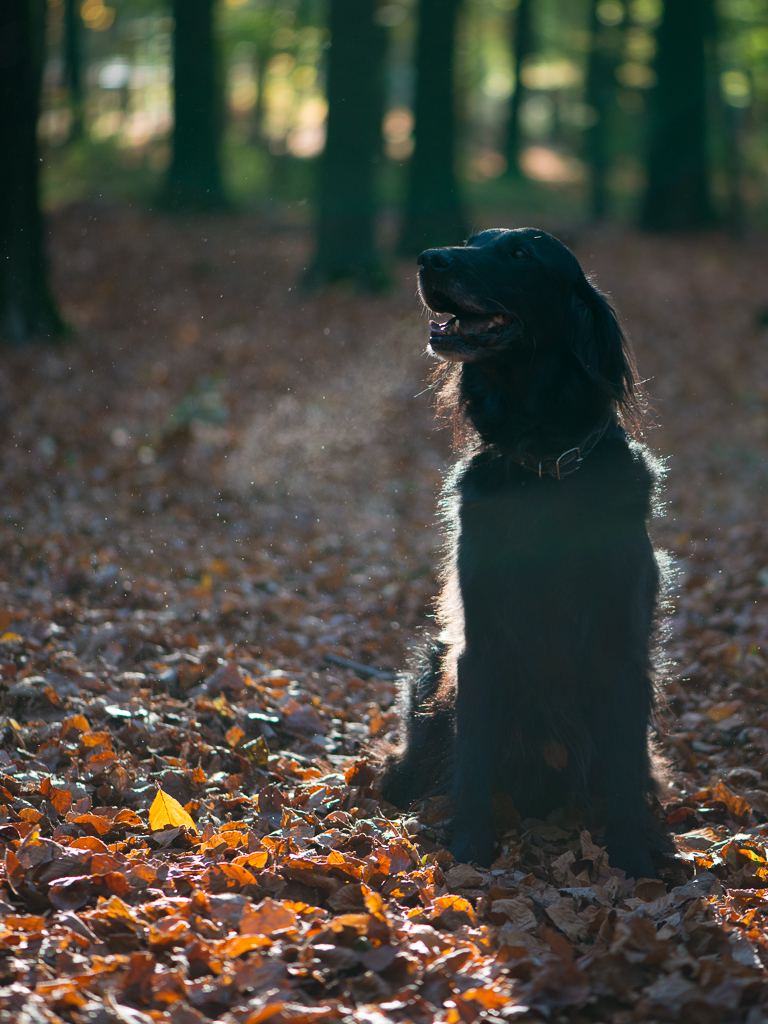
506 518
527 516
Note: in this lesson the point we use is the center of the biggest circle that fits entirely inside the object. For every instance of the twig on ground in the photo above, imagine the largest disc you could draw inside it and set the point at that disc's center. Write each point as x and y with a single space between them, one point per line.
362 670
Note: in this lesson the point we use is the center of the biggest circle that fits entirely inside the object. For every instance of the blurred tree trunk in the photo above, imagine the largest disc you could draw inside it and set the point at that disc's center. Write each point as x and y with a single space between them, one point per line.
677 196
605 42
346 201
522 47
194 179
734 118
73 69
433 210
27 309
263 53
263 43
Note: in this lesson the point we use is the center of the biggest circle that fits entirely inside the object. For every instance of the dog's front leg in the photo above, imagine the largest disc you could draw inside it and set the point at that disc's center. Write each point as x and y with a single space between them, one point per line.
622 752
473 835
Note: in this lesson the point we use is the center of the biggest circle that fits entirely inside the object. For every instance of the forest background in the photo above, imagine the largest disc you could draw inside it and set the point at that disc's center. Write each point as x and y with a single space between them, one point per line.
219 474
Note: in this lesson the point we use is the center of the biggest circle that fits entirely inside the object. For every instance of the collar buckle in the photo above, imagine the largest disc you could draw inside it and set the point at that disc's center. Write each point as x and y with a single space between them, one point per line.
572 463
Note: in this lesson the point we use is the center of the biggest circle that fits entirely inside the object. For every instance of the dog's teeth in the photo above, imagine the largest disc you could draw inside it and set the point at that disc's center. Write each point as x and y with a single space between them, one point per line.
498 319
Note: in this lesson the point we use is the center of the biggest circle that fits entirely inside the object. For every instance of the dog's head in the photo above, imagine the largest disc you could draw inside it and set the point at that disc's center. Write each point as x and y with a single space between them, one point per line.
511 292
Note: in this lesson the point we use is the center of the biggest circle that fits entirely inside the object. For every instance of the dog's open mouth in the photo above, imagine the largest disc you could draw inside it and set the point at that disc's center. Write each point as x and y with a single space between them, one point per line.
470 327
466 337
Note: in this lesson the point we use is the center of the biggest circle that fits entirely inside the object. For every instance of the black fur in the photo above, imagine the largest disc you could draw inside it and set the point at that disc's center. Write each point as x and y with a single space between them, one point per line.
541 684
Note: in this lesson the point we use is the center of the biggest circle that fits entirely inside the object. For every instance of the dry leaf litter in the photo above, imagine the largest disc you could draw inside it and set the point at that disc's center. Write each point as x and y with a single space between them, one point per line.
226 480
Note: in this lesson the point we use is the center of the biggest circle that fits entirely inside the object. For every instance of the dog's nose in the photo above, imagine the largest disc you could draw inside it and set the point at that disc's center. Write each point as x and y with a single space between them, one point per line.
437 258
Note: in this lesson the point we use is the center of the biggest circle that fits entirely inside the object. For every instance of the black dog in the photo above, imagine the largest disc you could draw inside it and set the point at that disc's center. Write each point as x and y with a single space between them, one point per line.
541 683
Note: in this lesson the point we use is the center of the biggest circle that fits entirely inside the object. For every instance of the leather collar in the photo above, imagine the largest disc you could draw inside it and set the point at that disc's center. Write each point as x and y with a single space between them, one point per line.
567 462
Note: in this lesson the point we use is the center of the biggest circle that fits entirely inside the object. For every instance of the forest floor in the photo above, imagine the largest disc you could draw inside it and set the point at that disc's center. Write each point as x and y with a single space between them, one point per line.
225 479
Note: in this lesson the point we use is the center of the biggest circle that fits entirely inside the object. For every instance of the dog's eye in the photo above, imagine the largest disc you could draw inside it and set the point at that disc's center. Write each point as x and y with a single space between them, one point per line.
520 254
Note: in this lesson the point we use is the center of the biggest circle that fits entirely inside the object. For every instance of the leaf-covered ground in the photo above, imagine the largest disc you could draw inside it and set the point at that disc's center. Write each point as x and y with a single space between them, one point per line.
225 480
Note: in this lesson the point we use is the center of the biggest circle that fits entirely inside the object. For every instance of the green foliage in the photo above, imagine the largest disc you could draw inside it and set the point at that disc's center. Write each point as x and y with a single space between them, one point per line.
274 58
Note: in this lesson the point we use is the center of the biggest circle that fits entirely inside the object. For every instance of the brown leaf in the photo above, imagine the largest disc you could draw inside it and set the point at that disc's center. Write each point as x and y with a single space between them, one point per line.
738 808
463 876
360 774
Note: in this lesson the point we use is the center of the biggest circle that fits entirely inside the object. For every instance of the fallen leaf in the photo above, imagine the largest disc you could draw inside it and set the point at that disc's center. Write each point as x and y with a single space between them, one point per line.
165 811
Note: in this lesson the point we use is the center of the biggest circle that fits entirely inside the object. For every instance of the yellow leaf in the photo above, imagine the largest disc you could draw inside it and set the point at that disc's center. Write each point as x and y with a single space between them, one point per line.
8 638
165 812
258 751
720 712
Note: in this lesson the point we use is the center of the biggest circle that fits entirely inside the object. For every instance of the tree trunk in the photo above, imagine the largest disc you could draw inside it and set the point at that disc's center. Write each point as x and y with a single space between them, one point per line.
263 53
346 201
433 209
27 309
73 66
600 93
194 178
677 196
522 47
734 144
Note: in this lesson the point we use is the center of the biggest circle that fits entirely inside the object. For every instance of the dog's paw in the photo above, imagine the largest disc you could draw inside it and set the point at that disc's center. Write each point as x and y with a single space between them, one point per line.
473 844
633 857
397 785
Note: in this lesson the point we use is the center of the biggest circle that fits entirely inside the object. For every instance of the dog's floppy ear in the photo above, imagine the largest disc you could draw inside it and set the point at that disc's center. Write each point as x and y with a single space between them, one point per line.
600 345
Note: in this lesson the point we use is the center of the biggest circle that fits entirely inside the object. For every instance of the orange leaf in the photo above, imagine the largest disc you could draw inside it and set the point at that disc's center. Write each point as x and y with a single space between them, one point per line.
126 817
117 883
487 997
270 916
24 922
456 903
255 861
96 739
230 839
75 724
89 843
52 696
234 735
737 806
237 873
97 822
242 944
166 812
101 863
61 799
374 903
